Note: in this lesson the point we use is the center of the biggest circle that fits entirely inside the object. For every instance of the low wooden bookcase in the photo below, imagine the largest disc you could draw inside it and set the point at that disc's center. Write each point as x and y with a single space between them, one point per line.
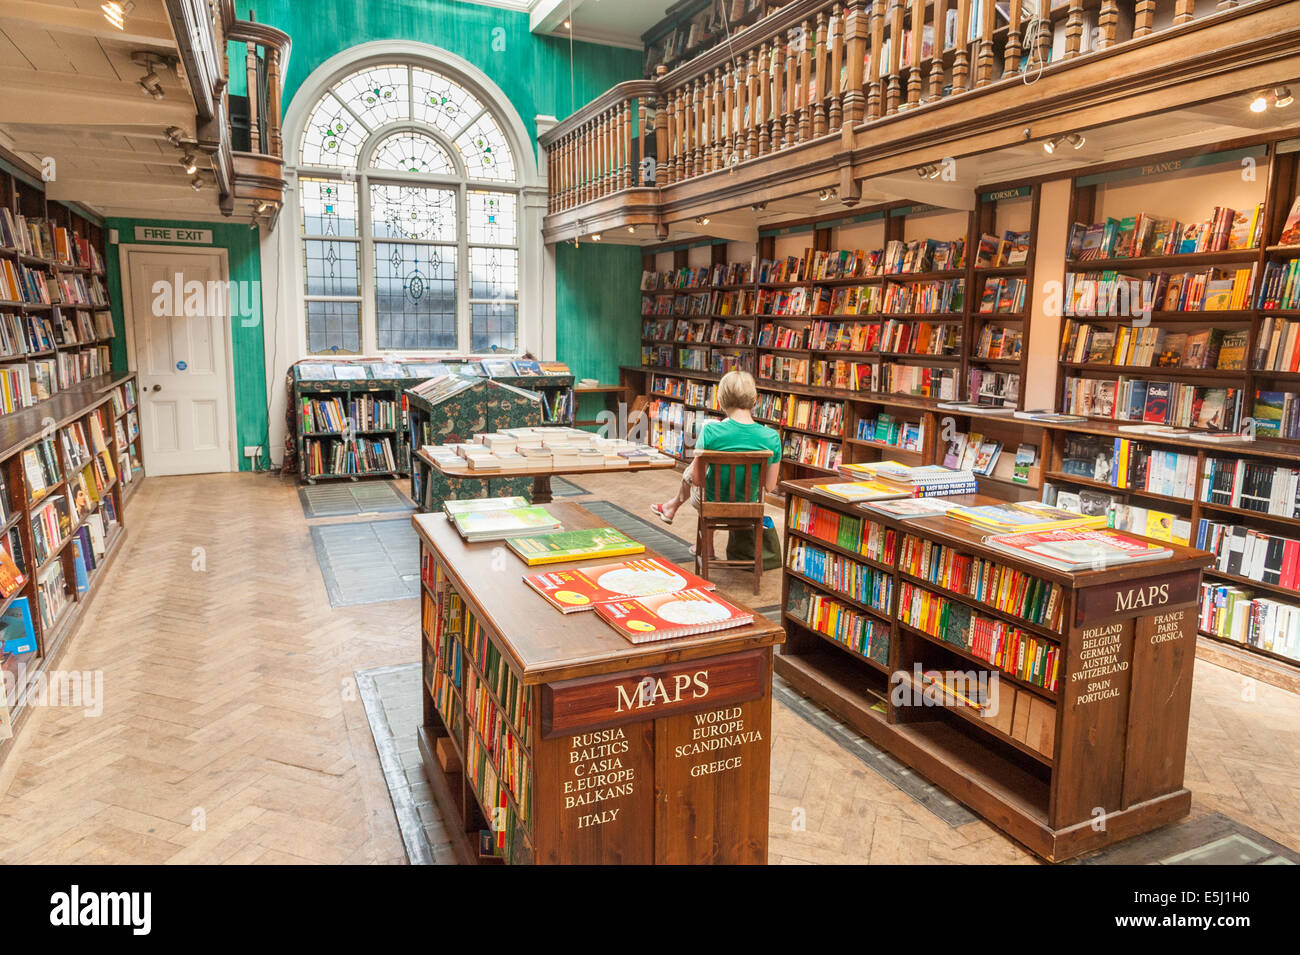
548 738
1063 768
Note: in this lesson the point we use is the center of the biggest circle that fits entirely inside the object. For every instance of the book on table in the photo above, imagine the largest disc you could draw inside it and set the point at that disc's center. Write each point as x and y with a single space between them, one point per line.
574 545
582 588
1025 515
911 507
470 505
1077 549
499 524
667 616
861 491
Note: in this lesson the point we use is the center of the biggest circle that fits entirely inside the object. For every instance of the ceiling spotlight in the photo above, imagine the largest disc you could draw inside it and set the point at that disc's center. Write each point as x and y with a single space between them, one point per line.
196 183
175 134
595 237
1283 97
262 207
759 206
566 25
1259 104
1076 140
702 220
189 163
115 13
823 195
151 84
631 228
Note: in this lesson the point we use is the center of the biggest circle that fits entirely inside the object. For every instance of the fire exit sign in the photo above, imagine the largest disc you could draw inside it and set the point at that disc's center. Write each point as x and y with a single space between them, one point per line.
153 233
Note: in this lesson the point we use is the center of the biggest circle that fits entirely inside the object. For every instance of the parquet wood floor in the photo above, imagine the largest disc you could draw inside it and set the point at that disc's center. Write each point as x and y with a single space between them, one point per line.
232 731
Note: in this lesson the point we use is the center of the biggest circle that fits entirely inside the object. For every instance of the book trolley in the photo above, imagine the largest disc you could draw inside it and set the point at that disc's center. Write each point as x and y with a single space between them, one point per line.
549 738
1064 766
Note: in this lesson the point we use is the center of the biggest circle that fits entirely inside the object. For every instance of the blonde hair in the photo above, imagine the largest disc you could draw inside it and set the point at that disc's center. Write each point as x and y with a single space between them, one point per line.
737 391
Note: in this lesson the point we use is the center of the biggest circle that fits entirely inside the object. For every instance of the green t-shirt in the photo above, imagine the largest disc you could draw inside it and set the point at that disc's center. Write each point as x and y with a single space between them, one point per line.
732 435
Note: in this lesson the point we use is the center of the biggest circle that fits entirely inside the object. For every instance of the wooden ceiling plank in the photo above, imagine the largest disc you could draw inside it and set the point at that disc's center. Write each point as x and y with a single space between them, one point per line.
141 31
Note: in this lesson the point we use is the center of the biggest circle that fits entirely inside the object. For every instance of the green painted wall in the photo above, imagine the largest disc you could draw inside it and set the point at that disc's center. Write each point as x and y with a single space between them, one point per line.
241 245
597 301
533 71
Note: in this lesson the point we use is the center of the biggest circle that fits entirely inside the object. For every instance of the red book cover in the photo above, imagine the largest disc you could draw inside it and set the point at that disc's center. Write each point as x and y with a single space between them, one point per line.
1290 565
11 578
666 616
583 588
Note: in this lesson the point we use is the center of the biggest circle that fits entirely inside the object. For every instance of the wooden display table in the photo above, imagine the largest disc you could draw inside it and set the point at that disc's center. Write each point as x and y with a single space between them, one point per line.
619 392
541 476
1064 769
566 743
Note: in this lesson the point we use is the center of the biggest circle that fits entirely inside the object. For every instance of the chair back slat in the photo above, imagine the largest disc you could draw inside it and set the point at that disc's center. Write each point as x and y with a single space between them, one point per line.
734 489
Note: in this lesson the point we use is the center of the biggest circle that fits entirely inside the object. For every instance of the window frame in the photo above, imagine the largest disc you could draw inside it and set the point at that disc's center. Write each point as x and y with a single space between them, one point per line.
362 176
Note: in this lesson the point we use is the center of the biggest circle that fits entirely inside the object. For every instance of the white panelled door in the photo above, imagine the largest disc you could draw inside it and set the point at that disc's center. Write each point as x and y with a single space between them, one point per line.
180 350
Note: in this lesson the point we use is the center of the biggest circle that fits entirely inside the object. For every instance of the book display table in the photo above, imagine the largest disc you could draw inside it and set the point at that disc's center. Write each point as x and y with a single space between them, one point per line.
549 738
541 493
1081 740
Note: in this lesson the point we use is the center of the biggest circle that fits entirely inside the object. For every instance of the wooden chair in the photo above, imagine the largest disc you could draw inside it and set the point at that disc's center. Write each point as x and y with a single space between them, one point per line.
731 499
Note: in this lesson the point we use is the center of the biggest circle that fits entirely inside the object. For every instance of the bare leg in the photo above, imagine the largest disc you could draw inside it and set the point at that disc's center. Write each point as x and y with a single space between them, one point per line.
683 495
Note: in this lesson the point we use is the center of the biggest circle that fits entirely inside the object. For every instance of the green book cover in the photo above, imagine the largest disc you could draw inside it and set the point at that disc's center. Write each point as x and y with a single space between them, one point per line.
574 545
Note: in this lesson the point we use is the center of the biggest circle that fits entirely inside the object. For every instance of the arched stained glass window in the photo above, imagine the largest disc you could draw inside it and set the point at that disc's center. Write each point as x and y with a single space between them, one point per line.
410 217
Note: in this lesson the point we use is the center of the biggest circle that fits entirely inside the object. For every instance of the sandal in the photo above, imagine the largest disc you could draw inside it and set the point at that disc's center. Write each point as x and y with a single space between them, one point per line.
658 511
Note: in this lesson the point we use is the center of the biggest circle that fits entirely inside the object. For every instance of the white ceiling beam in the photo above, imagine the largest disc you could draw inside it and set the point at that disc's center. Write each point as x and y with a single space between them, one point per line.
139 30
63 109
948 195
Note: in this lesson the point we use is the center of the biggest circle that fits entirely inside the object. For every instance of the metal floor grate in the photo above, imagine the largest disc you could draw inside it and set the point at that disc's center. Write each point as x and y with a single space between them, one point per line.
368 562
344 500
563 487
672 547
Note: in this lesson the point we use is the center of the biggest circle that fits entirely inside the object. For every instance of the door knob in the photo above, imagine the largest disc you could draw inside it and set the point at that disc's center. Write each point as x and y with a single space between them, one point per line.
157 388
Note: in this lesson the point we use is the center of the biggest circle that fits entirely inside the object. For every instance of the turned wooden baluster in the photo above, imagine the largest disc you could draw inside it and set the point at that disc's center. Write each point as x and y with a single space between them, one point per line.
706 124
626 178
791 118
634 169
1107 23
960 56
984 62
720 149
820 83
274 85
1074 28
893 89
1144 15
663 168
936 54
807 87
602 155
750 114
593 156
679 110
914 74
764 100
835 105
875 102
696 128
579 156
564 173
1011 54
778 96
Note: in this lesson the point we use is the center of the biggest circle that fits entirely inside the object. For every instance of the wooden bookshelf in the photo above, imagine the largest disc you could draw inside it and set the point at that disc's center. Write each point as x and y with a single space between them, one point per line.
1110 732
492 647
56 613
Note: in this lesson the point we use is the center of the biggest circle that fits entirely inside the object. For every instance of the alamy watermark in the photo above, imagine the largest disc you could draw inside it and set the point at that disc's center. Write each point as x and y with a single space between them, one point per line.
214 298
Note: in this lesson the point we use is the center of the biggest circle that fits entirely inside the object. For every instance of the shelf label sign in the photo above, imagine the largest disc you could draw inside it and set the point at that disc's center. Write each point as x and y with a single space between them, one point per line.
1018 193
1137 598
1171 166
652 693
153 233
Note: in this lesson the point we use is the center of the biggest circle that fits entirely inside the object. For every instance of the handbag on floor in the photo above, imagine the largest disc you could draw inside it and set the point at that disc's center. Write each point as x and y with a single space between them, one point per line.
740 545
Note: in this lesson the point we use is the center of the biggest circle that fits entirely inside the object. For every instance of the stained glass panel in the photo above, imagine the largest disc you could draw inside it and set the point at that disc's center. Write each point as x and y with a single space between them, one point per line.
334 327
441 103
493 273
494 326
415 295
413 212
409 151
331 267
484 149
491 217
378 95
333 136
329 207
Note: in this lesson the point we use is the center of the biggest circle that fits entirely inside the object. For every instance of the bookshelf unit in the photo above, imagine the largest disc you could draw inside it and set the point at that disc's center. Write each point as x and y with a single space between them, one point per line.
74 457
1110 731
521 706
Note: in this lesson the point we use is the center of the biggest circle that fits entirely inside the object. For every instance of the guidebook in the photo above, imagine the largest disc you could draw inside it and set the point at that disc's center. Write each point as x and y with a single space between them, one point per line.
910 507
1022 516
666 616
1077 549
474 505
499 524
582 588
573 545
860 491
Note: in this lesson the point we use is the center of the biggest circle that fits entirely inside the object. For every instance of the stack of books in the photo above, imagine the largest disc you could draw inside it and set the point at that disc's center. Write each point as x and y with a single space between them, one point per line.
1027 515
1077 550
926 480
498 518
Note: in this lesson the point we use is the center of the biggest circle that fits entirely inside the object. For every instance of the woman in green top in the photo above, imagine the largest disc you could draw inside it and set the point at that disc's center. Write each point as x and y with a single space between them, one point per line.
737 395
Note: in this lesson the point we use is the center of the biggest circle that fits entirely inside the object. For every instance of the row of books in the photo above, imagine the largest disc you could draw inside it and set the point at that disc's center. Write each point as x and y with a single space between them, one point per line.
52 594
735 273
690 304
1155 402
1143 234
1253 554
815 452
1245 617
1003 588
1154 347
1120 514
888 430
1278 347
424 370
848 577
1004 296
972 451
1114 294
359 413
1281 285
704 331
852 628
51 523
999 341
850 533
1011 649
326 456
993 388
930 297
1011 249
1251 485
46 239
826 417
898 257
1128 464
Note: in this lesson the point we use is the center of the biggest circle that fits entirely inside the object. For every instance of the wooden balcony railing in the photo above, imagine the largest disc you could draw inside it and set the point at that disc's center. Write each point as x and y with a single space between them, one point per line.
814 69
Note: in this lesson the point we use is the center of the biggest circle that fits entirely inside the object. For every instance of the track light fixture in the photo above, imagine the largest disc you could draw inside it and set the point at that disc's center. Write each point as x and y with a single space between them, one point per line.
825 194
1282 97
595 237
189 163
262 207
759 206
175 135
116 13
701 220
1259 103
151 84
1074 140
196 183
930 171
631 229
